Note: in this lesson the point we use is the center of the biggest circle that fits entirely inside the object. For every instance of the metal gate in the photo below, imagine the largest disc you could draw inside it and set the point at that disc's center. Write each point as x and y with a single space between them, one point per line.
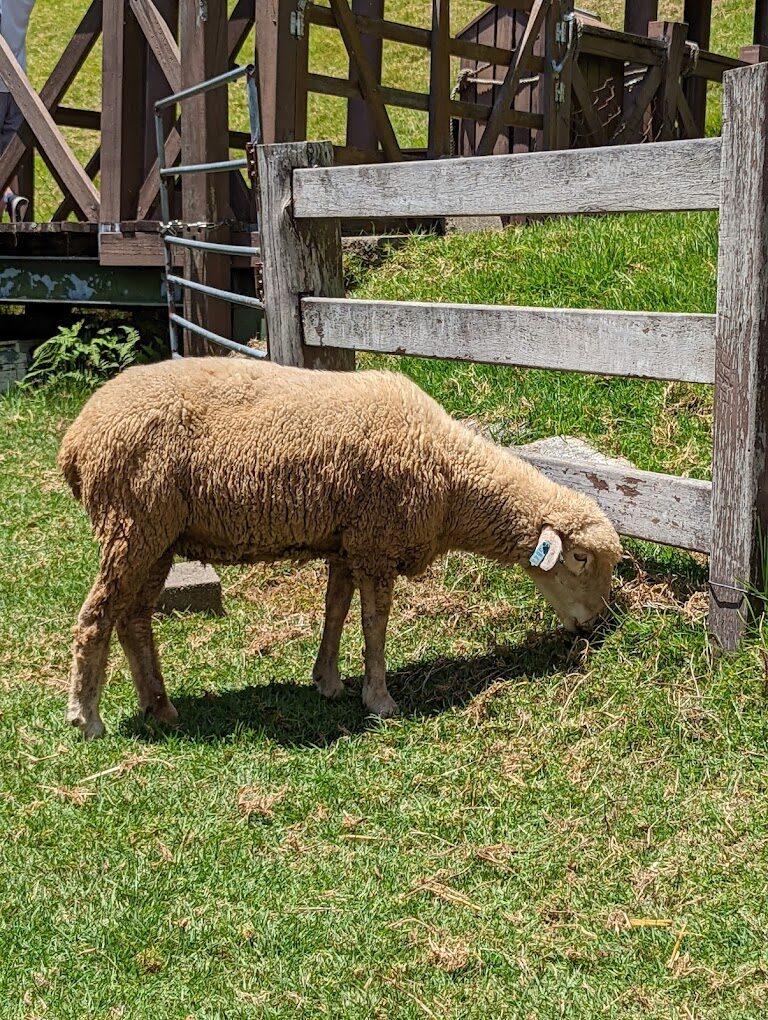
169 227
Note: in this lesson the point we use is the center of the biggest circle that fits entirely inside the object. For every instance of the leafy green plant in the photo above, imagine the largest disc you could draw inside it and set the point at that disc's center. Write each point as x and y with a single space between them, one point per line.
84 355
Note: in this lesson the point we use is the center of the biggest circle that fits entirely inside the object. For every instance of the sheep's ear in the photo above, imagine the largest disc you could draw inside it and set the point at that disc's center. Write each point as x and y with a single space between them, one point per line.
577 560
548 550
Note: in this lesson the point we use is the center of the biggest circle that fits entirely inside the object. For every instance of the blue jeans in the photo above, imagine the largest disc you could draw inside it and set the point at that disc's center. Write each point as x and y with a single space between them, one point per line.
10 119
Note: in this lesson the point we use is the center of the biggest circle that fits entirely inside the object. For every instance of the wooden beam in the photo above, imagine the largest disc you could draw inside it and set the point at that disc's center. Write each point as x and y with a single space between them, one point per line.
641 504
361 132
123 113
59 157
239 25
508 90
760 33
622 178
698 16
59 80
160 38
646 345
558 85
739 458
637 14
299 258
665 112
369 87
205 138
278 50
439 141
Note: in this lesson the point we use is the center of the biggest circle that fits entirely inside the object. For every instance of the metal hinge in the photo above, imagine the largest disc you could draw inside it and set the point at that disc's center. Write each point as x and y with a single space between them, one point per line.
250 155
297 20
559 92
561 32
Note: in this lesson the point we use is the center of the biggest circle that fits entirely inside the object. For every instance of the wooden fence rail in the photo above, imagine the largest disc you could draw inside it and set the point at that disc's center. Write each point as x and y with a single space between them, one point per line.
655 177
302 198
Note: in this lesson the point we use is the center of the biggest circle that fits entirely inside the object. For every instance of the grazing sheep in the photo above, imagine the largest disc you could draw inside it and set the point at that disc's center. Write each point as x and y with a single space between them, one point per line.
236 461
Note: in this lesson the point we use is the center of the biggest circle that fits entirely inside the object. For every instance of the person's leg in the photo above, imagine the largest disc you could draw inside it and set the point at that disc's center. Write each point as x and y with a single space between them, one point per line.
10 121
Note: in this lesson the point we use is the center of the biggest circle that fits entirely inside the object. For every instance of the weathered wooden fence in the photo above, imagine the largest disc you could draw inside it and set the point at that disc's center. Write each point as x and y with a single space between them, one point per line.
310 322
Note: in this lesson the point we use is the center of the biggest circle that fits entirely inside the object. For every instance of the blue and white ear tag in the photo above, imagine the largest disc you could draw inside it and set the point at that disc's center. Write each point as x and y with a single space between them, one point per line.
539 553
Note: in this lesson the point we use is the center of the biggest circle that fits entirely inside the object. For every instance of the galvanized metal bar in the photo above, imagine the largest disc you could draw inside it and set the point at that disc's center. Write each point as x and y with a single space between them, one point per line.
221 249
165 212
254 106
205 86
200 168
225 295
215 338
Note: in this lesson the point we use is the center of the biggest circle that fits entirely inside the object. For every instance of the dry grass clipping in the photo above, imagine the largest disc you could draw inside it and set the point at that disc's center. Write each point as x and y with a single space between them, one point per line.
254 801
449 954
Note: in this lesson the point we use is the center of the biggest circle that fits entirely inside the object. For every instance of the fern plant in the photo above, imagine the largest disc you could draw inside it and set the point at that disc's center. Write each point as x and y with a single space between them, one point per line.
85 356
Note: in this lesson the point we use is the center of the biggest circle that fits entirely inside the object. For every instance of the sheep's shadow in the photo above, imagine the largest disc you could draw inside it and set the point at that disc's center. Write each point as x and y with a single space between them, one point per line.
292 713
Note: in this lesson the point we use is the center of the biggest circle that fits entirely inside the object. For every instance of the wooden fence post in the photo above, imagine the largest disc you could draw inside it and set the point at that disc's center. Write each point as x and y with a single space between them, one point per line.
739 481
301 258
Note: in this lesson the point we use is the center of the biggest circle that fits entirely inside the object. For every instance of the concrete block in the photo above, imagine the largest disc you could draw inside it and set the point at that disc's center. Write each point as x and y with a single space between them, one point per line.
472 224
191 587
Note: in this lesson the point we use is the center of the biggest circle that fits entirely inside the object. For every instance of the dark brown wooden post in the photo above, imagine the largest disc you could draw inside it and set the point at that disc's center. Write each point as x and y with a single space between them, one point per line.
361 133
439 137
205 138
559 50
665 103
25 175
123 114
698 16
301 257
278 48
739 476
760 35
157 86
637 15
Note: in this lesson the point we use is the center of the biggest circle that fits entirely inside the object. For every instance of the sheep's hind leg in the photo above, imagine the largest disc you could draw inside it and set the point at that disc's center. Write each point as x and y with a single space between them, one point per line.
338 597
92 633
134 629
376 600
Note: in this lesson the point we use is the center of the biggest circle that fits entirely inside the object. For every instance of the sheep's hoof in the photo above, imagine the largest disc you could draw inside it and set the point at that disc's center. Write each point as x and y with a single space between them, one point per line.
90 728
384 707
328 683
165 713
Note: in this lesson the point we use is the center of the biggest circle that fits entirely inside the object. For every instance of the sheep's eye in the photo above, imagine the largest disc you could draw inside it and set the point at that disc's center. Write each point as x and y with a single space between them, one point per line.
580 557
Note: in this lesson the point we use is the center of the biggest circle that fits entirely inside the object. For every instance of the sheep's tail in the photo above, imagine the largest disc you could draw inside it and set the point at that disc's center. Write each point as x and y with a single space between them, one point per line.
68 464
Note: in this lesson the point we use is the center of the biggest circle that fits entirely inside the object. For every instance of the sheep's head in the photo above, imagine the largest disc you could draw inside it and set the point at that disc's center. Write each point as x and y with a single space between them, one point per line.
572 568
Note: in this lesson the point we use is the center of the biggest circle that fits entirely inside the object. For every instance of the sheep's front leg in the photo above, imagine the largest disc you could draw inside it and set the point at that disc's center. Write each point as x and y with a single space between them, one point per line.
338 597
376 600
